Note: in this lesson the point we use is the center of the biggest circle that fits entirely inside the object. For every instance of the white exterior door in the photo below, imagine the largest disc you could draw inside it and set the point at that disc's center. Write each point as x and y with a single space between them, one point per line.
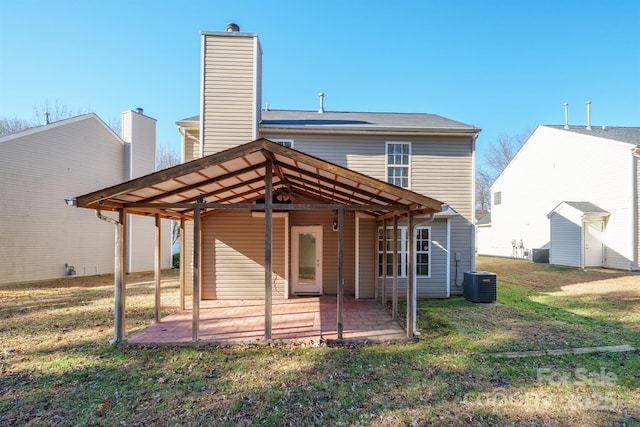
593 246
306 260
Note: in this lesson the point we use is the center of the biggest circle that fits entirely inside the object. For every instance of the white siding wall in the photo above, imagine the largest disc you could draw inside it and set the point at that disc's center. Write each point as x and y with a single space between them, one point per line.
566 242
230 84
636 204
37 172
555 166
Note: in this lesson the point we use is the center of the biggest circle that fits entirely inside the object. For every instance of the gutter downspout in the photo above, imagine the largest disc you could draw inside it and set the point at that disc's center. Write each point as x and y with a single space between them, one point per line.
118 277
414 295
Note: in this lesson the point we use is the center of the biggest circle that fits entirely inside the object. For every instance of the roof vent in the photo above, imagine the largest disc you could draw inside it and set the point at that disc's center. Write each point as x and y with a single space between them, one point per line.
566 115
46 118
232 27
321 109
588 115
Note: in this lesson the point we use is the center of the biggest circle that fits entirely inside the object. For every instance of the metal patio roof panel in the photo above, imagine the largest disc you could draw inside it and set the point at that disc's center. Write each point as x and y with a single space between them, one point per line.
236 176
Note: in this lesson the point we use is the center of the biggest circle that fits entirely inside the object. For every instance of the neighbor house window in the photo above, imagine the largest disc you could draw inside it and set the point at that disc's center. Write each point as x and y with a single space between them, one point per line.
423 251
286 142
402 251
398 163
497 197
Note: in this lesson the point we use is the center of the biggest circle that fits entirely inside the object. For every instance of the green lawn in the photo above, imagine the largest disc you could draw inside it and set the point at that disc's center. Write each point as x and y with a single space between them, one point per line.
58 368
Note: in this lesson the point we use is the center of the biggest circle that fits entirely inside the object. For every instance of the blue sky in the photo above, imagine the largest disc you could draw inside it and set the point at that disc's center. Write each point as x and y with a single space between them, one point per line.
503 66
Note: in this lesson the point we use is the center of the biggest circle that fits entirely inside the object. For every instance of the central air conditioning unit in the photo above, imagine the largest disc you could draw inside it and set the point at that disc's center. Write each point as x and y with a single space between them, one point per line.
479 286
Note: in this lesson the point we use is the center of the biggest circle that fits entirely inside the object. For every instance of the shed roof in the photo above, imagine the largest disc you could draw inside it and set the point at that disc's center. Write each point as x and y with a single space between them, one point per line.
237 177
586 208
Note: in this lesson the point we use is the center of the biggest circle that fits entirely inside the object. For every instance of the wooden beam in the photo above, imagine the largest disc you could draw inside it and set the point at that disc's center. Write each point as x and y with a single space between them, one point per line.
195 293
394 290
411 289
118 280
260 206
157 268
340 272
183 257
268 211
384 263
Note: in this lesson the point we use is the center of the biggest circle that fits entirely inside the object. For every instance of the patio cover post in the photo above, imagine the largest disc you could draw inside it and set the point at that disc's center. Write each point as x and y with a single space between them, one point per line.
384 263
156 269
196 275
340 270
183 270
118 278
411 289
268 200
394 296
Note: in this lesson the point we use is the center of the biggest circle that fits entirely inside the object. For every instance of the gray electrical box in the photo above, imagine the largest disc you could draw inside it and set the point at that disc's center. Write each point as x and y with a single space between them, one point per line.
479 286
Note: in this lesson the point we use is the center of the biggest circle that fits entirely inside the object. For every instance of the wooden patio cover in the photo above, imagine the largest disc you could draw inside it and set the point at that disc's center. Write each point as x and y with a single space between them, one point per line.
247 177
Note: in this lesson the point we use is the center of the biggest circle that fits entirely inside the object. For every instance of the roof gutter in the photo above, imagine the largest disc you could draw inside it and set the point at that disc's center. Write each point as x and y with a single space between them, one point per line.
377 131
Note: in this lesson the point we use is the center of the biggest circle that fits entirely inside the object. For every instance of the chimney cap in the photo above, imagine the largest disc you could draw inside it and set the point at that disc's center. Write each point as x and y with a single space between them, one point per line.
139 110
232 27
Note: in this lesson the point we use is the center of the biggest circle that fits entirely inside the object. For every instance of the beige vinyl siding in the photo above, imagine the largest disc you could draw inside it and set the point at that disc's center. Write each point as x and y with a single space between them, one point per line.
229 112
42 168
441 168
436 285
233 256
330 247
368 257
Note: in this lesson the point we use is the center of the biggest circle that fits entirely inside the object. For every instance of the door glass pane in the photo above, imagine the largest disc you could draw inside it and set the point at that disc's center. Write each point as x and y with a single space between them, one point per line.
307 264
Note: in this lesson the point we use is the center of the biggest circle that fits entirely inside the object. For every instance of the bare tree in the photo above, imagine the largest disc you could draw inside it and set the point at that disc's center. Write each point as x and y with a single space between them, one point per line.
500 153
483 195
504 149
11 125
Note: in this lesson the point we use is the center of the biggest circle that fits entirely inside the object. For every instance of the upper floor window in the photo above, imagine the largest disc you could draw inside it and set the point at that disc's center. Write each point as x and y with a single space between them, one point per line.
286 142
497 197
398 163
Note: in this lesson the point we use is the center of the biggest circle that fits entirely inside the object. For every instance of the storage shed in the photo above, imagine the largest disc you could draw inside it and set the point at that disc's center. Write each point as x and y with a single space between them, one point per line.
577 234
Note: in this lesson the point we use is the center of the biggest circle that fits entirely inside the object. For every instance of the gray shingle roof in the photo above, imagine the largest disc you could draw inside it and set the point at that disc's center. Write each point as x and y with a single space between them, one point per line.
361 120
302 119
629 135
587 207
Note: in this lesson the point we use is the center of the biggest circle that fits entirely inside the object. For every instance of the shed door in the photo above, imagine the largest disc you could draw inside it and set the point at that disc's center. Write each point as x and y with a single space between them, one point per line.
593 244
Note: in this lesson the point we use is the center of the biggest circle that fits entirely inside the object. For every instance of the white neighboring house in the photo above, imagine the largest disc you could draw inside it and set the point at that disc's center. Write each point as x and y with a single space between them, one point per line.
43 166
569 175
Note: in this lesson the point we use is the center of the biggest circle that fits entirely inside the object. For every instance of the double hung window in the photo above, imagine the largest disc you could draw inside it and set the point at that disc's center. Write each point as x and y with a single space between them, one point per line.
422 252
398 162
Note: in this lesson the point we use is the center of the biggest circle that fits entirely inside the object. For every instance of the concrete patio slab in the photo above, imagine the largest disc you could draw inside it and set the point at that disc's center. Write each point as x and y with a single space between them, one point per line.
300 319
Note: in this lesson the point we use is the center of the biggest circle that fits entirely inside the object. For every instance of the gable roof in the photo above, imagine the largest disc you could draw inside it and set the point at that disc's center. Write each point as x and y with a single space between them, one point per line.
237 177
305 120
629 135
586 208
43 128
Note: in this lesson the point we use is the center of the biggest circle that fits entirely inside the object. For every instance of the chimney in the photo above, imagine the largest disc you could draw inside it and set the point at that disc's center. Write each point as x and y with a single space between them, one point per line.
566 115
588 115
139 135
232 27
321 109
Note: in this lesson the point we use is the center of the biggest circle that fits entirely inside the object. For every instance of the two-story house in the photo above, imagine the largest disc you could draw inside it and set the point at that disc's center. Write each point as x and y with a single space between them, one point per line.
572 193
43 166
279 203
424 153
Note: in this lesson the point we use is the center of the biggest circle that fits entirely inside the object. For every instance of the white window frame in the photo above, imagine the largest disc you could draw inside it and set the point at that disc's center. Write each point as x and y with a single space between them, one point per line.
421 250
402 250
388 165
284 142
